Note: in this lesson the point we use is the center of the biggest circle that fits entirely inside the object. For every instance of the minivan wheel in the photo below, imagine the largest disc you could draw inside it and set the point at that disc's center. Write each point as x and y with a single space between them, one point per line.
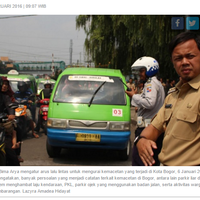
52 151
124 154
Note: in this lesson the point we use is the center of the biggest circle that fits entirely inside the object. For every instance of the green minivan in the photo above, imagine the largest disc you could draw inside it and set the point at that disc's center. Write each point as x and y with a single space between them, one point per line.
89 108
14 77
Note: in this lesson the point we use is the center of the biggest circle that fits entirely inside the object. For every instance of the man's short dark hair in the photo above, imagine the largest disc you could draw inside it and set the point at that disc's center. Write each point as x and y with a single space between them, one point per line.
183 37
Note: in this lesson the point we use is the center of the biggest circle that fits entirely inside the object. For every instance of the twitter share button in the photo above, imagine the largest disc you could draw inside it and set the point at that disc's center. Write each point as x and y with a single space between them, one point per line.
192 23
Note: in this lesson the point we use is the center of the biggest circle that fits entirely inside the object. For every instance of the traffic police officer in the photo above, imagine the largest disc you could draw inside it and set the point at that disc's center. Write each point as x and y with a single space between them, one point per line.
148 103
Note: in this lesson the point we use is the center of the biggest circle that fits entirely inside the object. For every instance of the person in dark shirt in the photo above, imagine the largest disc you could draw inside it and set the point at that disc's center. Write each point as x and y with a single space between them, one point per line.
11 158
16 137
46 92
23 93
171 84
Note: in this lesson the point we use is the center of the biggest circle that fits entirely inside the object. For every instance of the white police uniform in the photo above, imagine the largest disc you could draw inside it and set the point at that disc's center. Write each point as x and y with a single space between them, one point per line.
148 104
151 99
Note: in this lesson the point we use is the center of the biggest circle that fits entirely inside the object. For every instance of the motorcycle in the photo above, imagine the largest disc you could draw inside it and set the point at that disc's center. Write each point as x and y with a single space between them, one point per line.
43 114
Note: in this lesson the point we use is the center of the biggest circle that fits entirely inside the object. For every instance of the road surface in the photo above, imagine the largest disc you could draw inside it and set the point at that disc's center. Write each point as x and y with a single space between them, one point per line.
34 154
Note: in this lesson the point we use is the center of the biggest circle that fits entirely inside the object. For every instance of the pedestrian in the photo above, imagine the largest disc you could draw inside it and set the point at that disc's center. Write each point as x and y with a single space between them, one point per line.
11 157
6 89
140 86
166 85
180 113
16 135
135 81
130 83
149 102
162 82
169 86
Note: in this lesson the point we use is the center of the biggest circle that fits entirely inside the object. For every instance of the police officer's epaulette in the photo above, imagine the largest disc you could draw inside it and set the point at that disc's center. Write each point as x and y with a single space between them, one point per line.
171 90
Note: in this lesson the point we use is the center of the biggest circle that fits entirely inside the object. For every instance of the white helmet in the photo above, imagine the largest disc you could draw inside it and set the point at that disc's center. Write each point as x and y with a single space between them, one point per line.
47 82
149 63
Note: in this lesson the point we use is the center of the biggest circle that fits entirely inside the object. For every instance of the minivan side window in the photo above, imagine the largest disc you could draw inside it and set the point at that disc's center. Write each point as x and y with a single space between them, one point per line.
81 88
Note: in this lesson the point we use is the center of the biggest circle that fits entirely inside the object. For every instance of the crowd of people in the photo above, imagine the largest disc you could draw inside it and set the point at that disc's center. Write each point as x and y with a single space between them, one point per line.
10 135
139 84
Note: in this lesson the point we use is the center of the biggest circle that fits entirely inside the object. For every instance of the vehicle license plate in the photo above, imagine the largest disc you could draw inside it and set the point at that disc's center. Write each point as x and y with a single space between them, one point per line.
88 137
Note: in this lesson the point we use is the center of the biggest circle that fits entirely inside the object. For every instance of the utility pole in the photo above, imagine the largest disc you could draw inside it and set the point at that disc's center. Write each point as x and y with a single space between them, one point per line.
52 65
70 52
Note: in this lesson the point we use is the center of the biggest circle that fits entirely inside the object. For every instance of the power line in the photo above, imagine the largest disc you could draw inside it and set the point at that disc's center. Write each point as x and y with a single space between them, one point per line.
16 16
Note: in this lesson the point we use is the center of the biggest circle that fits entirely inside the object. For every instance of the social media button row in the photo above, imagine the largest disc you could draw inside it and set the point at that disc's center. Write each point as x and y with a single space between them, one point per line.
192 23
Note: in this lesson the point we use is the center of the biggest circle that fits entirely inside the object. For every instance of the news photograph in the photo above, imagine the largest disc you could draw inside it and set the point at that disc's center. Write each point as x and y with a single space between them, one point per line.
86 88
98 105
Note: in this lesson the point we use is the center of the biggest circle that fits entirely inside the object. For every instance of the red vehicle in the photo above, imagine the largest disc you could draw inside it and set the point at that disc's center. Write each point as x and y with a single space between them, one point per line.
43 113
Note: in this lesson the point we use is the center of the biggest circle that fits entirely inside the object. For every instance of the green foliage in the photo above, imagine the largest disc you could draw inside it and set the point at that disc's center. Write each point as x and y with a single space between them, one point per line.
57 73
3 69
121 39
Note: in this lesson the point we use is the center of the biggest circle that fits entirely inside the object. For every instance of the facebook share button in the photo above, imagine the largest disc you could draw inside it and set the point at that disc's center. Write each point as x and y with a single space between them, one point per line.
192 23
177 23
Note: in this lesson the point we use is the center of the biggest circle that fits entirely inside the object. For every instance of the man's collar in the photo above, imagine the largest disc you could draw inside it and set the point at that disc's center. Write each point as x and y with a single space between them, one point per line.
194 83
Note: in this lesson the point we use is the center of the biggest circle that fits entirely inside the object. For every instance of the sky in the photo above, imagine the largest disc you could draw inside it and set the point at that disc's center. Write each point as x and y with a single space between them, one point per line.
49 31
36 38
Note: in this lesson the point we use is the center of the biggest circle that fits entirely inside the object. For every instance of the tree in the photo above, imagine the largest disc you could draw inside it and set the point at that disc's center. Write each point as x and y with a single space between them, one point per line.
121 39
2 68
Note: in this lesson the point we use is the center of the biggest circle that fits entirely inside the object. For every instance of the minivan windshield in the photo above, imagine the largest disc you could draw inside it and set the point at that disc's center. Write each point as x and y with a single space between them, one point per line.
81 88
13 85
